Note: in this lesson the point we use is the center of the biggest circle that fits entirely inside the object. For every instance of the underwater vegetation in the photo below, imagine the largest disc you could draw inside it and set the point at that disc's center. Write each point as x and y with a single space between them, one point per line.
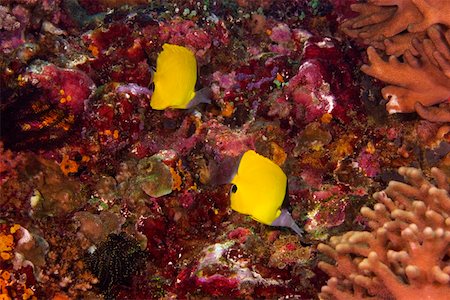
237 149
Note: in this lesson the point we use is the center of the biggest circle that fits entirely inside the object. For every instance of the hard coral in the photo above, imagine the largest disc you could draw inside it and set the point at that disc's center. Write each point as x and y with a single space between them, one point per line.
380 19
433 12
404 28
405 254
416 80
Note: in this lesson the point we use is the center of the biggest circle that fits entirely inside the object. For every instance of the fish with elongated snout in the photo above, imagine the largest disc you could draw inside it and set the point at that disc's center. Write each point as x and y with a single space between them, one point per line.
259 189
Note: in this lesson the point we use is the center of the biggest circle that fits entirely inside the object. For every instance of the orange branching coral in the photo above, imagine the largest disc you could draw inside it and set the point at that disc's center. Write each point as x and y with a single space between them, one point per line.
436 47
433 12
381 19
440 113
415 30
405 255
415 80
398 44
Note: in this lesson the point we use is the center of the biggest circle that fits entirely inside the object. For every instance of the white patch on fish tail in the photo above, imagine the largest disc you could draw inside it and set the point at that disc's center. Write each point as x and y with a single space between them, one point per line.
285 220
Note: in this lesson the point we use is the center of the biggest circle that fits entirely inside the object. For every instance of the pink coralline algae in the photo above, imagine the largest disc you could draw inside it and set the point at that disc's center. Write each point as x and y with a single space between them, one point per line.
67 88
310 93
223 272
369 163
329 211
223 149
335 71
226 142
12 26
239 234
117 55
9 22
21 21
281 33
188 34
321 85
287 251
114 117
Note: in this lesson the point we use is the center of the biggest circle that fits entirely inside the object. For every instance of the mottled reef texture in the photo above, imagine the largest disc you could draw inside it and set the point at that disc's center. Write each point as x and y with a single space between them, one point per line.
102 197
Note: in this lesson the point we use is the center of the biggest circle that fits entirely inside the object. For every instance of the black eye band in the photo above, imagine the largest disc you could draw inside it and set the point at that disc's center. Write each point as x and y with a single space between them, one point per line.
234 188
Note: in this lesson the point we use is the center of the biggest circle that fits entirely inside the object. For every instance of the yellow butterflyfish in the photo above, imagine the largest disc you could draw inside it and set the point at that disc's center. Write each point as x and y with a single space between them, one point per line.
259 189
175 78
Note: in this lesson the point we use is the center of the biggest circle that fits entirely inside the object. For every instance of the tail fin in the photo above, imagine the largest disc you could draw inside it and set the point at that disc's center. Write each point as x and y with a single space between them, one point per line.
201 96
285 220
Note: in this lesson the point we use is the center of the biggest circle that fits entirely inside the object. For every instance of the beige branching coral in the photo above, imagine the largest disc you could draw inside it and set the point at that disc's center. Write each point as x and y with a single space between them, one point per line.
406 255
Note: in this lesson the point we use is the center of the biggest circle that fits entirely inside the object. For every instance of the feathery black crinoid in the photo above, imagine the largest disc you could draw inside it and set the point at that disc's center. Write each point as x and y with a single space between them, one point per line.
115 261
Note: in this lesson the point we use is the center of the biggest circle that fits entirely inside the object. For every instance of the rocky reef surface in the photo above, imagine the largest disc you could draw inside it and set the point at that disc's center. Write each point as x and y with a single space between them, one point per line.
103 197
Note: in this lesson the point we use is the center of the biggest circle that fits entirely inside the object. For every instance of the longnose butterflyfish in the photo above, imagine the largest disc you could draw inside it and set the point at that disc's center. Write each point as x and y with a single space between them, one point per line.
175 78
259 189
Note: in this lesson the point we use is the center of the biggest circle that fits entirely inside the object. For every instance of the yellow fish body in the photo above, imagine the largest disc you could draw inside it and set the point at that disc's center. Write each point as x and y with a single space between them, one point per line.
175 78
259 189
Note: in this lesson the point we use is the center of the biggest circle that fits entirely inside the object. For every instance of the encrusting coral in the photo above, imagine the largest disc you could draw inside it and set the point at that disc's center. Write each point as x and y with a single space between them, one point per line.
405 255
417 34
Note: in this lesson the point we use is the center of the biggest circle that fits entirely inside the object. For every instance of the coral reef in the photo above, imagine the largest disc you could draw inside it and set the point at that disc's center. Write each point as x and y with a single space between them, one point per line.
416 32
405 253
413 81
103 197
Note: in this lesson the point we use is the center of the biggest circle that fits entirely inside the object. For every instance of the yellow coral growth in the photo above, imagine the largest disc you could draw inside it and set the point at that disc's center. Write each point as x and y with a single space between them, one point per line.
10 286
14 228
278 154
6 244
228 109
326 118
344 147
68 166
176 180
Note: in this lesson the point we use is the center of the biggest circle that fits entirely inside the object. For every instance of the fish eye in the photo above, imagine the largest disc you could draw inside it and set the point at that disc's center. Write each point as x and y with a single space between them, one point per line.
234 188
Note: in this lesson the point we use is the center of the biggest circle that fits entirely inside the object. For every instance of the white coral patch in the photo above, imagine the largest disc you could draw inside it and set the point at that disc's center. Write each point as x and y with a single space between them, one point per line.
393 106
